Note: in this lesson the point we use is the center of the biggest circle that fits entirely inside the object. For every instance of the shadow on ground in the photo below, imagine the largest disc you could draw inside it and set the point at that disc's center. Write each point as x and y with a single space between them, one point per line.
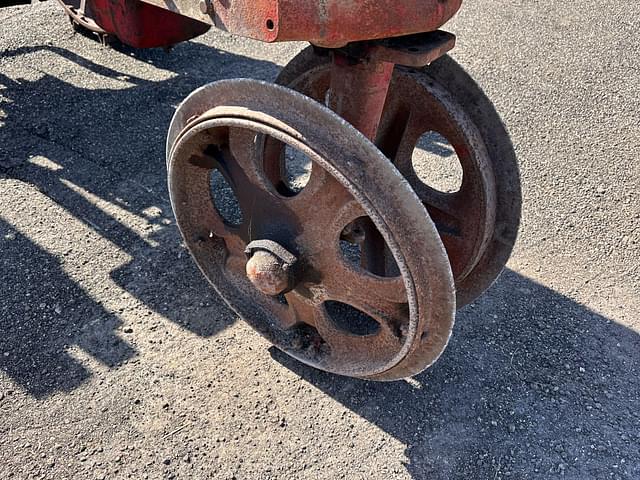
46 313
530 378
107 145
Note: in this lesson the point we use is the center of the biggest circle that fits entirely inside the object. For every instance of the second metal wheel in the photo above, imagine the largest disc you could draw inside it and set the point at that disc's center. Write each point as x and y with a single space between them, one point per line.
479 222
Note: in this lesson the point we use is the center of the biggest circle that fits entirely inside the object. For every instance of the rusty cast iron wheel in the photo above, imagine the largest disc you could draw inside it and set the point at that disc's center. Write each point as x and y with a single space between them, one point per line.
277 259
478 223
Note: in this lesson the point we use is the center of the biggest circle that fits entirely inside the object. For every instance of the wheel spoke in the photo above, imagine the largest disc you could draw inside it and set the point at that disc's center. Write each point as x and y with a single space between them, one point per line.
240 163
330 206
235 246
447 203
321 189
301 309
346 282
382 298
395 128
198 190
338 275
399 144
464 220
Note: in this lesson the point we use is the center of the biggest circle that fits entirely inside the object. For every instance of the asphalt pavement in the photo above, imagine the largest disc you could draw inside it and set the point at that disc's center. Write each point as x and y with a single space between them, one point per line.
117 360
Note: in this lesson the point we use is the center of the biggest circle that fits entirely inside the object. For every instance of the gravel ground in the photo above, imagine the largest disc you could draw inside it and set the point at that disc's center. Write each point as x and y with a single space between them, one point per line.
118 361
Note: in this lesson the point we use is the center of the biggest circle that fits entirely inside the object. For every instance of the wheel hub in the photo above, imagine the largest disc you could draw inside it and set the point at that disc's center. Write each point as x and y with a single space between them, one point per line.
270 267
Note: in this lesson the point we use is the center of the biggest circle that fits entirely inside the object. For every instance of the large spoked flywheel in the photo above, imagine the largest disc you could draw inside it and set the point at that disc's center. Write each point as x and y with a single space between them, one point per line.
478 222
286 257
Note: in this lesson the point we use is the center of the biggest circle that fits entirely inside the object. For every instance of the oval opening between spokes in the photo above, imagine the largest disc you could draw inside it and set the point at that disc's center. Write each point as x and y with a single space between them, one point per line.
288 168
351 320
362 245
224 199
436 163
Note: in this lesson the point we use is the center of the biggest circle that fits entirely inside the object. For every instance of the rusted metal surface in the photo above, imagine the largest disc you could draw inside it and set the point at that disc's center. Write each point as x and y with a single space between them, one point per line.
478 224
361 74
136 23
81 15
416 51
337 22
226 126
355 272
270 267
267 274
329 23
358 91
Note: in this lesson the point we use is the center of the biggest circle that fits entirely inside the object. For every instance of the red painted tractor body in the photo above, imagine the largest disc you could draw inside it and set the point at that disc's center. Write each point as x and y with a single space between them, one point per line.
327 23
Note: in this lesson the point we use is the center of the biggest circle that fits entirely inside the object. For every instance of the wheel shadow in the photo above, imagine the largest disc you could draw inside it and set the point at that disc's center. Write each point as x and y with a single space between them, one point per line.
107 147
531 381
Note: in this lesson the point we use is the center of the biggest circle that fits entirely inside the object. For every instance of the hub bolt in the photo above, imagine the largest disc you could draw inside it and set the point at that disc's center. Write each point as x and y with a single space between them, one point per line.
270 267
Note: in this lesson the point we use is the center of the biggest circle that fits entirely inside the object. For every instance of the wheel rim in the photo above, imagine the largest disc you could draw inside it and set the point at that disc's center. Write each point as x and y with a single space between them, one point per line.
413 311
479 222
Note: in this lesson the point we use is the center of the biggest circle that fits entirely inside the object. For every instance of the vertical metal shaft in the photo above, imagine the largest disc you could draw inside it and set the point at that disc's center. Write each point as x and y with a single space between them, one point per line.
358 93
